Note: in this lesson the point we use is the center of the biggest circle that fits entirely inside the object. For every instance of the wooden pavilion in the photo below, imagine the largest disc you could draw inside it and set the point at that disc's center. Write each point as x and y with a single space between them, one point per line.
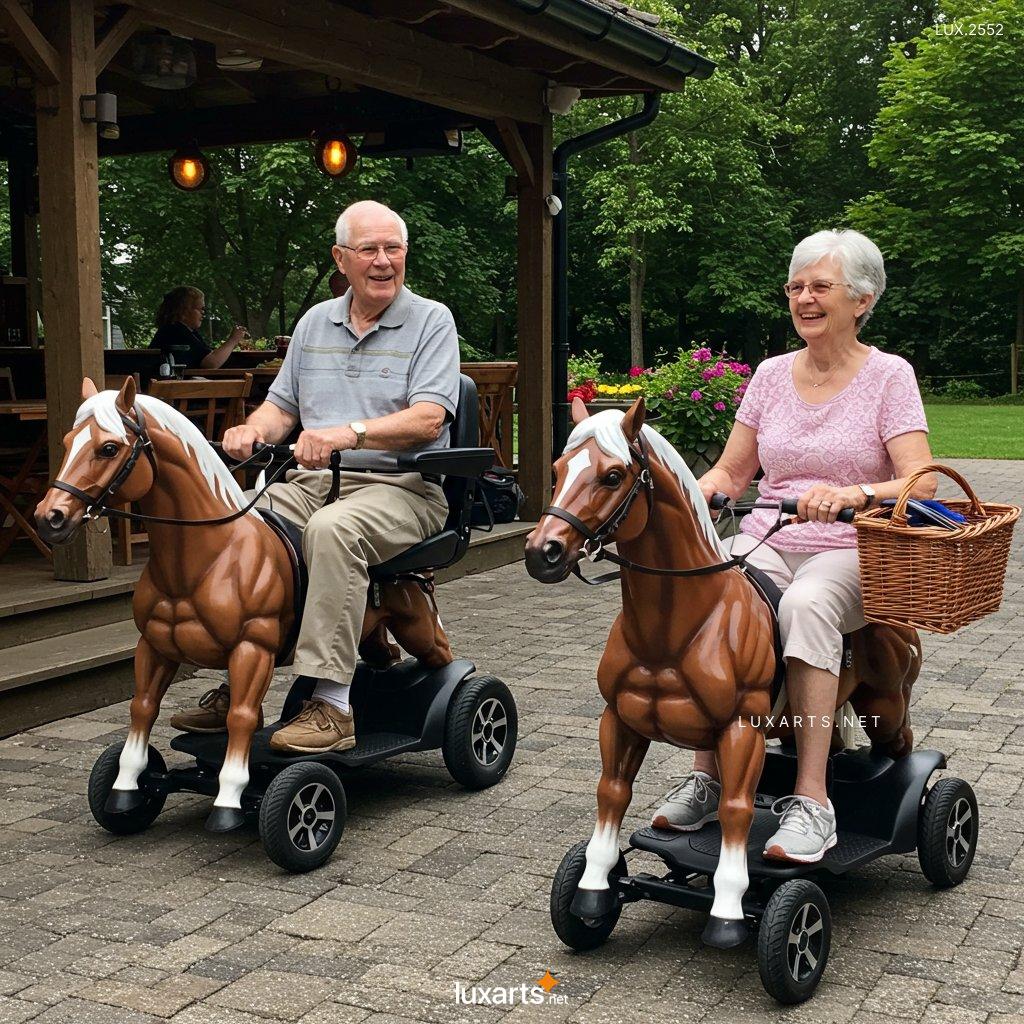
498 66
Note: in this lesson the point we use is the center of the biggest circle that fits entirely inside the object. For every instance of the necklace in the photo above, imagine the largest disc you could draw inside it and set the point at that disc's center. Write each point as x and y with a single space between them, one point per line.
832 372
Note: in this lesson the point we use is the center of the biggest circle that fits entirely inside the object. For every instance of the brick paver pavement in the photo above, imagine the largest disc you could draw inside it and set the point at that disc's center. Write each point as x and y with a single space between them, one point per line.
433 885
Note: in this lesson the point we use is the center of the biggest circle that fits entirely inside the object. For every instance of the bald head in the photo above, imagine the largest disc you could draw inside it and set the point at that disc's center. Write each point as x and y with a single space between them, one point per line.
368 217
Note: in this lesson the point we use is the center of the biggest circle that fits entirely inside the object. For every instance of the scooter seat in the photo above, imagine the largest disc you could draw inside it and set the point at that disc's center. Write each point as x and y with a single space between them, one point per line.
291 537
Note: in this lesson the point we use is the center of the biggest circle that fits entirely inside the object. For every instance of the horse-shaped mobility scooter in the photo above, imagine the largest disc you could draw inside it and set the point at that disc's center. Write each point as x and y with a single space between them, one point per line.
224 588
694 660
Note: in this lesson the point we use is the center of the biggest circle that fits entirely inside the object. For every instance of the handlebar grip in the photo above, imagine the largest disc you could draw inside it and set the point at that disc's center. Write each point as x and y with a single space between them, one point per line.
846 516
719 501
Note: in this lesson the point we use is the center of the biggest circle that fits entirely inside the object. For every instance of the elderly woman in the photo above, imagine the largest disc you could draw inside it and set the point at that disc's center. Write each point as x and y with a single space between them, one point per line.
841 425
178 320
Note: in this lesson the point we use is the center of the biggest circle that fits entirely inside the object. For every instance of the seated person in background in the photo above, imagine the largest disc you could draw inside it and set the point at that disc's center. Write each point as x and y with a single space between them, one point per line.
177 334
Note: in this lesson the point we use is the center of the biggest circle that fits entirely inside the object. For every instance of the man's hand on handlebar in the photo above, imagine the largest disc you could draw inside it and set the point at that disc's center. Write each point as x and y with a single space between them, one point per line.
313 448
238 441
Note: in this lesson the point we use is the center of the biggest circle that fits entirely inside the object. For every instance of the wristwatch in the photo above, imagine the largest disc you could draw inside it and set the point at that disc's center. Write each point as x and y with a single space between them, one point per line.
869 493
359 429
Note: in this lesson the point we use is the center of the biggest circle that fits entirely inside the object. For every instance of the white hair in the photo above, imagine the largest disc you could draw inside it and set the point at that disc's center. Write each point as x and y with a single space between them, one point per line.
341 229
606 430
858 257
222 484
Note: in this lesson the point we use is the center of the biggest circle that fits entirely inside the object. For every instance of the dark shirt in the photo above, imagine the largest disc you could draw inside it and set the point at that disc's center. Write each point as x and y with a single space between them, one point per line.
187 346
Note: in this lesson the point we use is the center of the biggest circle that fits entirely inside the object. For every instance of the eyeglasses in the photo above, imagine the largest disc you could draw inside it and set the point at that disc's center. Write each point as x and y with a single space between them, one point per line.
819 289
368 253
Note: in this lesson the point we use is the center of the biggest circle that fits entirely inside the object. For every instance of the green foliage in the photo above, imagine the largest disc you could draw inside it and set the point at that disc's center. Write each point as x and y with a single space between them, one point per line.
583 368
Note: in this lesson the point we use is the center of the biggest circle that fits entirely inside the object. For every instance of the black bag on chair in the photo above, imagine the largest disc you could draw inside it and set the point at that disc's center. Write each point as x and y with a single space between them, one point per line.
499 498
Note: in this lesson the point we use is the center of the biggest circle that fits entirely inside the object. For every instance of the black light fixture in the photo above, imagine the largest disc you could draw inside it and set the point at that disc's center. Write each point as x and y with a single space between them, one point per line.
334 153
412 140
188 168
163 61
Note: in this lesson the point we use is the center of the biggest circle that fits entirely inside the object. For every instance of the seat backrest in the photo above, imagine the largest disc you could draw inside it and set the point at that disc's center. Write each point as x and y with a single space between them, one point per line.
213 405
464 432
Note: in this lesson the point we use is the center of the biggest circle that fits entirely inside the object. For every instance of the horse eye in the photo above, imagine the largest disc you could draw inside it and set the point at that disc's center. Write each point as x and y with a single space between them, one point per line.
109 450
613 479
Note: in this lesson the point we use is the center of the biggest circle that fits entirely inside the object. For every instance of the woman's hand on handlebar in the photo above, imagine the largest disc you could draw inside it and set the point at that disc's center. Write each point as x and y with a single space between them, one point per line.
823 503
238 441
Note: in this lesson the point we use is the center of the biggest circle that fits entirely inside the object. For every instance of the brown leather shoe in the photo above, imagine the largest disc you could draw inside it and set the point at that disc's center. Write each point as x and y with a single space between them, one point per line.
211 715
317 728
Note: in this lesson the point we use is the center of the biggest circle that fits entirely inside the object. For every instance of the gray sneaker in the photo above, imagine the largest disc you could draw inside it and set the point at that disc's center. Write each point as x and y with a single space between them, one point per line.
689 805
806 830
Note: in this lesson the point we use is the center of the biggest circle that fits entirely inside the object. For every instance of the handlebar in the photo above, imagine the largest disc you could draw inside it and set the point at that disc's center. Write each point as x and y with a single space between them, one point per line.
720 501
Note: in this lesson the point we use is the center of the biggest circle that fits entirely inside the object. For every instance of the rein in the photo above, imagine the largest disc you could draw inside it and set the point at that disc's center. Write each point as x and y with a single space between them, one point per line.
593 546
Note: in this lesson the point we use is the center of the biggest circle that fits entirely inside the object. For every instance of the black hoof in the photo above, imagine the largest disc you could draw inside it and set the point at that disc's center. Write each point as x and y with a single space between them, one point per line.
123 801
593 904
224 819
723 934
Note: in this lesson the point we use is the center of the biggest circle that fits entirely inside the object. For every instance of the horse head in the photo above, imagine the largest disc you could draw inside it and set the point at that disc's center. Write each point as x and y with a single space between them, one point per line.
102 452
597 480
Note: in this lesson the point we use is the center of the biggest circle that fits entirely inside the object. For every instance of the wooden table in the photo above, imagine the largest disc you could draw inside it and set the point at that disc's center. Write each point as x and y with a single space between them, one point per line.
30 410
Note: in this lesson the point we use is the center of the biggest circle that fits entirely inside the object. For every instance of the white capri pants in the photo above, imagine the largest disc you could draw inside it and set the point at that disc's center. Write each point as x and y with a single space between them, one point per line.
821 599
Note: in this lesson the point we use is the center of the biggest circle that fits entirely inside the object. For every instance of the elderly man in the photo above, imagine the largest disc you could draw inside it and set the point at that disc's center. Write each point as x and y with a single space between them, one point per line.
377 367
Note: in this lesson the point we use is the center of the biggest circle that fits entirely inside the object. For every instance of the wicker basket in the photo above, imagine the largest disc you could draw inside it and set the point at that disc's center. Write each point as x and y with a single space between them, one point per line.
929 577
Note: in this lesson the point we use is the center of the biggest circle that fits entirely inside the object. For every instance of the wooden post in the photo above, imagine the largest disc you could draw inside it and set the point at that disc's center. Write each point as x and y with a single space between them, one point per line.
69 220
534 320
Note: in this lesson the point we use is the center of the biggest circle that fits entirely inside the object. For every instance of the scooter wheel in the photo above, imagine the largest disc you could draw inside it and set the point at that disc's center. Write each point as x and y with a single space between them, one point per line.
793 941
575 932
302 816
101 782
947 832
480 732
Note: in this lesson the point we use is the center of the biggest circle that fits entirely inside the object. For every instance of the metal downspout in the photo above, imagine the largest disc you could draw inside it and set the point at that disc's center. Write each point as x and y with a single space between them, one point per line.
560 254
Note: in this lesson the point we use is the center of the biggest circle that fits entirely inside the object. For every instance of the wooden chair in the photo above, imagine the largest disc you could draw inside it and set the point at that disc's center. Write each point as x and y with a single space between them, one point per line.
494 386
213 405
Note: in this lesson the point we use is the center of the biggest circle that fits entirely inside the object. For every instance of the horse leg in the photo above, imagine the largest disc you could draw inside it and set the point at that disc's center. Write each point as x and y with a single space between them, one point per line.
250 668
622 753
417 627
887 663
153 674
739 750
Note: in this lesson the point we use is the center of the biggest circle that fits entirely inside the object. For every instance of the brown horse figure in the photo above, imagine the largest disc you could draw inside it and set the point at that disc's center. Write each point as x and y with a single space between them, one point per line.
214 596
690 659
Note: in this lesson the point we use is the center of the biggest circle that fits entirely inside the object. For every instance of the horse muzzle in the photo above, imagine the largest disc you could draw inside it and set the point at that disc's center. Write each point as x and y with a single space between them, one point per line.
54 525
548 560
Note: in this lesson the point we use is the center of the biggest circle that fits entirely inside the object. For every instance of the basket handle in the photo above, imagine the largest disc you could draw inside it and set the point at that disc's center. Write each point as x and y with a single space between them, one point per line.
899 512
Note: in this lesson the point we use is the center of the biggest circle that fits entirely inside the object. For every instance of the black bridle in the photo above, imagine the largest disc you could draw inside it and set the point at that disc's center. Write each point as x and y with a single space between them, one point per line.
593 545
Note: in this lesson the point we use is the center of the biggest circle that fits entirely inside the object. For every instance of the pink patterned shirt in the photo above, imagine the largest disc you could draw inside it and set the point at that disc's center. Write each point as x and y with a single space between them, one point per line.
839 442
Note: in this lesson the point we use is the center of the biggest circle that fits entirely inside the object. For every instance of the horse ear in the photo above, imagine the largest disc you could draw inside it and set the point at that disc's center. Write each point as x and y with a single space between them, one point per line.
579 410
88 388
126 398
634 419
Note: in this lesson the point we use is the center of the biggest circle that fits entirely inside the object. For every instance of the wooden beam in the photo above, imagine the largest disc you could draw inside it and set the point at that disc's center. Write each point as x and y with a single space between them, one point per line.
322 36
33 47
544 30
69 218
515 149
533 274
121 27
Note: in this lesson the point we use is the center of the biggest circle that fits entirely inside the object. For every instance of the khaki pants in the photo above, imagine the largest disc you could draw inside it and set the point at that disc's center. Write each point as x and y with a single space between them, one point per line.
376 517
821 599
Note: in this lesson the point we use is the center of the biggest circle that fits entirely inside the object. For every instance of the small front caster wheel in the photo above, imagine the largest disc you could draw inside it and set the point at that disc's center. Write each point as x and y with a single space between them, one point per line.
577 933
794 940
147 803
302 816
480 732
947 832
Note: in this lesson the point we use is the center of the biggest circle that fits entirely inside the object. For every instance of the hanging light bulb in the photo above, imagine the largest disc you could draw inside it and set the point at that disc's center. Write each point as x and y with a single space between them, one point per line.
189 169
333 153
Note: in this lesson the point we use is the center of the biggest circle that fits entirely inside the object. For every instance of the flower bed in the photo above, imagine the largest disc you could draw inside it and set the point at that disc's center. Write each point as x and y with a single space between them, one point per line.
694 395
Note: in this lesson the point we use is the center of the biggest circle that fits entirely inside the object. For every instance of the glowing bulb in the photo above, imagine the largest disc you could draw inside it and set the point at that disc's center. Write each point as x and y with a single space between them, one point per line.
334 154
189 169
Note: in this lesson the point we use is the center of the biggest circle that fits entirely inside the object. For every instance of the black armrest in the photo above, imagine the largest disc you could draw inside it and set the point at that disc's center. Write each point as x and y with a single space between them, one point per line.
466 462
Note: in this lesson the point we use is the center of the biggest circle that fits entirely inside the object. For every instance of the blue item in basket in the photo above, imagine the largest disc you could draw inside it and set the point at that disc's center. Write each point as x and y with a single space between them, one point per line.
922 512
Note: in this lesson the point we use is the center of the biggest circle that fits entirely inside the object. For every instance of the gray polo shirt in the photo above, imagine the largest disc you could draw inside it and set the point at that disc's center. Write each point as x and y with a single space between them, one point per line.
331 377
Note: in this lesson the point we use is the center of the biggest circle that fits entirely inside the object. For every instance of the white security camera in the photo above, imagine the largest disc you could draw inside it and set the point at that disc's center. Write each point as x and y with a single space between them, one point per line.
554 205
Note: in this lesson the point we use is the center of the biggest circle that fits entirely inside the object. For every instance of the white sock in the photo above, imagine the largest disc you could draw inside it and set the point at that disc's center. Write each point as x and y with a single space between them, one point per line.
335 694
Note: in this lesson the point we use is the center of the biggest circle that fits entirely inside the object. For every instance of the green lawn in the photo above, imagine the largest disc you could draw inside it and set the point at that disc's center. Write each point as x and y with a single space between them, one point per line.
976 431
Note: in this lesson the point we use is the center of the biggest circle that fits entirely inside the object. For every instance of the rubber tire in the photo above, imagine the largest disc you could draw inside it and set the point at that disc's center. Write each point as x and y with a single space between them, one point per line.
773 936
572 930
101 782
931 832
273 819
457 748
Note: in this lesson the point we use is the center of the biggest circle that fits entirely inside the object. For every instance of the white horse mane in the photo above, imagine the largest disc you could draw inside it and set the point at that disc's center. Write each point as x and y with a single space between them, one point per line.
606 429
222 484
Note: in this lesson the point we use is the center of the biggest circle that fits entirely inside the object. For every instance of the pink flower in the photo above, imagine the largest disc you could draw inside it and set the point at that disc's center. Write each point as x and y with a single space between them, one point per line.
636 371
719 406
696 396
708 374
702 355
